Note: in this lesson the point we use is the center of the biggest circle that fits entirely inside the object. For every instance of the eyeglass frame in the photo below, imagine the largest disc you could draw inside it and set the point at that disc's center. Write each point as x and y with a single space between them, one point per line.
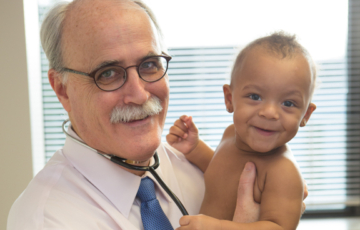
92 73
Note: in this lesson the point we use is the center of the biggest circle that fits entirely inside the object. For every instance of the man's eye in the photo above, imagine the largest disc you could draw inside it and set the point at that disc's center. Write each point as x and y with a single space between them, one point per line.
255 97
288 104
148 65
107 73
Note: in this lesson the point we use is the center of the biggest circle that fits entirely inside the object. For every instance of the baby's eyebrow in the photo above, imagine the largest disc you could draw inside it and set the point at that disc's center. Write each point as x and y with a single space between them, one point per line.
296 93
252 86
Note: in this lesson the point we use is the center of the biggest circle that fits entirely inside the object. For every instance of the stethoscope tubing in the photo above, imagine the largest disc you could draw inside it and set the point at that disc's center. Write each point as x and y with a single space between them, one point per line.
121 162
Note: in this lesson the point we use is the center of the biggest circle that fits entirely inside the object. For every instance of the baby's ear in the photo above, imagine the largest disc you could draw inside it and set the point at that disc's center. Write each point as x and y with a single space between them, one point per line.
228 98
308 113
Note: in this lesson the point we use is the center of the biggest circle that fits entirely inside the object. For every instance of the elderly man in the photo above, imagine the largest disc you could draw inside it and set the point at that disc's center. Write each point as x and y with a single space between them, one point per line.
108 70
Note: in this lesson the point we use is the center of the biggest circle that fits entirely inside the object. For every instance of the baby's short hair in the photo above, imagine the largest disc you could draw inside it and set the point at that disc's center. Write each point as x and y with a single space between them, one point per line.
279 44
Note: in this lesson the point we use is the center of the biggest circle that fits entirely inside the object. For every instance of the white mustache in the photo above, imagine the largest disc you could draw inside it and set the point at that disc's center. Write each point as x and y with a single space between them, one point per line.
136 112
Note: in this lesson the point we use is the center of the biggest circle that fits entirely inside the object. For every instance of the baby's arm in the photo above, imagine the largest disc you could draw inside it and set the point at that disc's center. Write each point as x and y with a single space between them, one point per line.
184 136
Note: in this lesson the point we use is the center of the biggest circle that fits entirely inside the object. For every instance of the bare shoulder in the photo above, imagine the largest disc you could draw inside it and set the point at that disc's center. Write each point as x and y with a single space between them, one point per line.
284 161
281 199
226 143
229 131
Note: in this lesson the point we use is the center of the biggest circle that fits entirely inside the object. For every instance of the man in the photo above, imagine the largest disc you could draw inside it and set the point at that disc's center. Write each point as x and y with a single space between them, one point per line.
108 69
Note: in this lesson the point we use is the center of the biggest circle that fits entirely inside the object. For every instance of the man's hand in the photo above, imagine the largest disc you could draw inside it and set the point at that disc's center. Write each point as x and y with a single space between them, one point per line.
306 193
183 135
247 210
199 222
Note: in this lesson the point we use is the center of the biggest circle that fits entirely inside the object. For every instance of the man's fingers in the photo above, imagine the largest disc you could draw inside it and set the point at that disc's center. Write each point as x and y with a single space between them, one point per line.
306 192
247 210
303 207
185 220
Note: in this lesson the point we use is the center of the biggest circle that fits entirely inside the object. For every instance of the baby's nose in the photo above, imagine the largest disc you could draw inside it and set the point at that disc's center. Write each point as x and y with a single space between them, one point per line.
269 111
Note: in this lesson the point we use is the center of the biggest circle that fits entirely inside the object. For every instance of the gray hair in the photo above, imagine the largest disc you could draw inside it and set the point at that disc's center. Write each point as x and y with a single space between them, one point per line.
52 26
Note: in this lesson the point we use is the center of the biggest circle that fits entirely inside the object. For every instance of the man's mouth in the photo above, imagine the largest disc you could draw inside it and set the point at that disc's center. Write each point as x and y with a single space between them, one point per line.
135 120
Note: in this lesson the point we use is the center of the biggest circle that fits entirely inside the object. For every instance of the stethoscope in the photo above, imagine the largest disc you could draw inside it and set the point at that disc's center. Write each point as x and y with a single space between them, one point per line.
126 163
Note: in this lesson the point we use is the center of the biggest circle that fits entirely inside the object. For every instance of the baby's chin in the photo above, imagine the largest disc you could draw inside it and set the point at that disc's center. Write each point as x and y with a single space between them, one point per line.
265 149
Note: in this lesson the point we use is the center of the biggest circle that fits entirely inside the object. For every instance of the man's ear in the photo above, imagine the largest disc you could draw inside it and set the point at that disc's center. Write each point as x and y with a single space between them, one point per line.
307 115
59 88
228 98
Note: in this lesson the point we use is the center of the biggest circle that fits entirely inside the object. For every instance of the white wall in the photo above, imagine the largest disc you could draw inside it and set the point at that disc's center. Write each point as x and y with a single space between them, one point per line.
15 140
320 25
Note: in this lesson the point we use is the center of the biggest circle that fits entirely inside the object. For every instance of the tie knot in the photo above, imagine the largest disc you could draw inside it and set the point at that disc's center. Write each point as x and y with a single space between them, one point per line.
146 190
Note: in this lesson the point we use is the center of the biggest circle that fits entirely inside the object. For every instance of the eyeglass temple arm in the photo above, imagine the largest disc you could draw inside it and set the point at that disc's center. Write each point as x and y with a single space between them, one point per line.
74 71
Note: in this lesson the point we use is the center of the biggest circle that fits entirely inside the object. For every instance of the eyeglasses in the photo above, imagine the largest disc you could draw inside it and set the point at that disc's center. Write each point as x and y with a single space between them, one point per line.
111 77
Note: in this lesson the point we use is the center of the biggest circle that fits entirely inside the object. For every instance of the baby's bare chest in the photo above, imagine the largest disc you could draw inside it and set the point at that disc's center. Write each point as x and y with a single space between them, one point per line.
222 179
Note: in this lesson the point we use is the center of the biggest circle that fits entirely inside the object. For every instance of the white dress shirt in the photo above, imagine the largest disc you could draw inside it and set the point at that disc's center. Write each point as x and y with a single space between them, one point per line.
79 189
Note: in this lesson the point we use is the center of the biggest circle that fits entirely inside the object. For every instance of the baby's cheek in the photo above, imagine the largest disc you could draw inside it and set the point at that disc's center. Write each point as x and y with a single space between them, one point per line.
292 127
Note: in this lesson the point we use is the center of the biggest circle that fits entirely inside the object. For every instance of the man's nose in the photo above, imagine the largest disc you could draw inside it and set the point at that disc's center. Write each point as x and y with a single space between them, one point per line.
134 88
269 111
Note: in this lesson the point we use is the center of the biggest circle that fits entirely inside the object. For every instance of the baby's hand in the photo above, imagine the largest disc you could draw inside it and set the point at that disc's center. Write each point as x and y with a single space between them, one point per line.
183 135
199 222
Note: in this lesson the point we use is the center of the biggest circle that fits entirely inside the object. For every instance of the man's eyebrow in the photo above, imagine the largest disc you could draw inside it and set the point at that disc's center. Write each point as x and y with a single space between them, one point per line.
116 62
106 63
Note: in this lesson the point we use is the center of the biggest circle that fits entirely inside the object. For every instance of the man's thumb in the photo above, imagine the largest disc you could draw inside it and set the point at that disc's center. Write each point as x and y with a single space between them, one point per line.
246 183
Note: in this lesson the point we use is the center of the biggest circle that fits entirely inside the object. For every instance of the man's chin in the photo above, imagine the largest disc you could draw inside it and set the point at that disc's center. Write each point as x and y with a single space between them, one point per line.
138 158
141 150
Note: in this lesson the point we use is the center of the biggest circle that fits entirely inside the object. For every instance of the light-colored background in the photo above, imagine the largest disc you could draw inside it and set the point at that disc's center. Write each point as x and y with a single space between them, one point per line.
15 138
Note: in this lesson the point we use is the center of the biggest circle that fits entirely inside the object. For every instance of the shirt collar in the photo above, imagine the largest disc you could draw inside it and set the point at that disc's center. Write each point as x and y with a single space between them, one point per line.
117 184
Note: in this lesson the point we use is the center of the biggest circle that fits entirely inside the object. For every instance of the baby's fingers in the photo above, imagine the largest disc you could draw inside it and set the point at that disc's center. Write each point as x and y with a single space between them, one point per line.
178 132
181 124
191 125
172 139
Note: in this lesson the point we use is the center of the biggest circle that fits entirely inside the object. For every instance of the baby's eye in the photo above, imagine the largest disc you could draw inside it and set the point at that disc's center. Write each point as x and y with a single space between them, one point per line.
255 97
288 104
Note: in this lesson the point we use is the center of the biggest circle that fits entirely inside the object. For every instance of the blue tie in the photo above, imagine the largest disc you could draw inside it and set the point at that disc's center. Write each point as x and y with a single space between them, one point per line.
153 217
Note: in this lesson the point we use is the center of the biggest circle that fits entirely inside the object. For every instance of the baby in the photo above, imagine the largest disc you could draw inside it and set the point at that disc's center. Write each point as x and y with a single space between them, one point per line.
272 83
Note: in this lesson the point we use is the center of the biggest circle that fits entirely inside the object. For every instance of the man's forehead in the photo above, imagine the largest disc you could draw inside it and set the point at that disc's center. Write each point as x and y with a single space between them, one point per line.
90 27
92 12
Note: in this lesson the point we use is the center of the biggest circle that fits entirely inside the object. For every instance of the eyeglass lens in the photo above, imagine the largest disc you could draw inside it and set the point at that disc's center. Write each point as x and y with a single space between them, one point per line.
113 77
